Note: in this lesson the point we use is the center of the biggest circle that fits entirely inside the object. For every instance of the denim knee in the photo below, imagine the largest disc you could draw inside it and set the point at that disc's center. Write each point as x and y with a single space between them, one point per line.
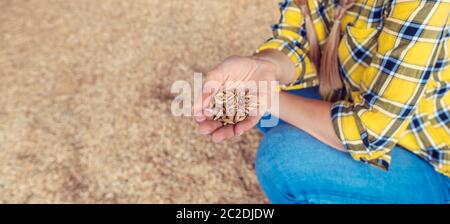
279 155
283 143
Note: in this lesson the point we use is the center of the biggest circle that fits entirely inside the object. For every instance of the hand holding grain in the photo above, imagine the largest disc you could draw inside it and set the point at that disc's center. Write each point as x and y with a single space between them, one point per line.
235 69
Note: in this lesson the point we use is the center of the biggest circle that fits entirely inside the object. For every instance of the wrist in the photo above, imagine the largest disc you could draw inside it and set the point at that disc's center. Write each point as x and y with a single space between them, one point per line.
286 71
269 64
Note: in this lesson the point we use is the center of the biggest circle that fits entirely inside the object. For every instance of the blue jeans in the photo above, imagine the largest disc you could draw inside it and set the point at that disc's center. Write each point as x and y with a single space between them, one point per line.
295 168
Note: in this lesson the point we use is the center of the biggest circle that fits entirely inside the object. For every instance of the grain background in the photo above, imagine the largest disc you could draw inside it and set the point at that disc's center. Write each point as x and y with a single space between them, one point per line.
85 100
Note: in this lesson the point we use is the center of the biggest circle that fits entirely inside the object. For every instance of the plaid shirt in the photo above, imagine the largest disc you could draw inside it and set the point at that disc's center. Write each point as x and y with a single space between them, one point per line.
394 59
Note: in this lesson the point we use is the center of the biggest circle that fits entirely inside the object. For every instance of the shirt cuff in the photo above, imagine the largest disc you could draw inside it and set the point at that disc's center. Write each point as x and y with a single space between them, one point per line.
305 75
345 124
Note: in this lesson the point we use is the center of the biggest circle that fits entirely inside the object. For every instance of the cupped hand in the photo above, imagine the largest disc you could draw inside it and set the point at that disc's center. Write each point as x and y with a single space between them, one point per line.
245 71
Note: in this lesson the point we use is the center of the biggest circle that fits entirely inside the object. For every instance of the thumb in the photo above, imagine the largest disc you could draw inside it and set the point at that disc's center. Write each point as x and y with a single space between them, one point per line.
210 87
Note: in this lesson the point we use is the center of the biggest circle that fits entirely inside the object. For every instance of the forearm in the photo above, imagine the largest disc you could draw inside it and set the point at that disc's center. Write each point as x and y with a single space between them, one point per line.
310 115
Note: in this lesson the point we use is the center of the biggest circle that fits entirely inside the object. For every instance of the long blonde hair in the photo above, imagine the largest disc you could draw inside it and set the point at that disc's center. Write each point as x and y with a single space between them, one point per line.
326 62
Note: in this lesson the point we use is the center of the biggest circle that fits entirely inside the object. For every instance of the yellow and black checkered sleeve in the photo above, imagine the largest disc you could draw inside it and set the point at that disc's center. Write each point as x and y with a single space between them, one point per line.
393 84
289 37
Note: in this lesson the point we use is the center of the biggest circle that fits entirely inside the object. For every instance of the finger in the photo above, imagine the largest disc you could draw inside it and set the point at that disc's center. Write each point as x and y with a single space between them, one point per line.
203 102
246 124
201 113
207 127
210 87
223 133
